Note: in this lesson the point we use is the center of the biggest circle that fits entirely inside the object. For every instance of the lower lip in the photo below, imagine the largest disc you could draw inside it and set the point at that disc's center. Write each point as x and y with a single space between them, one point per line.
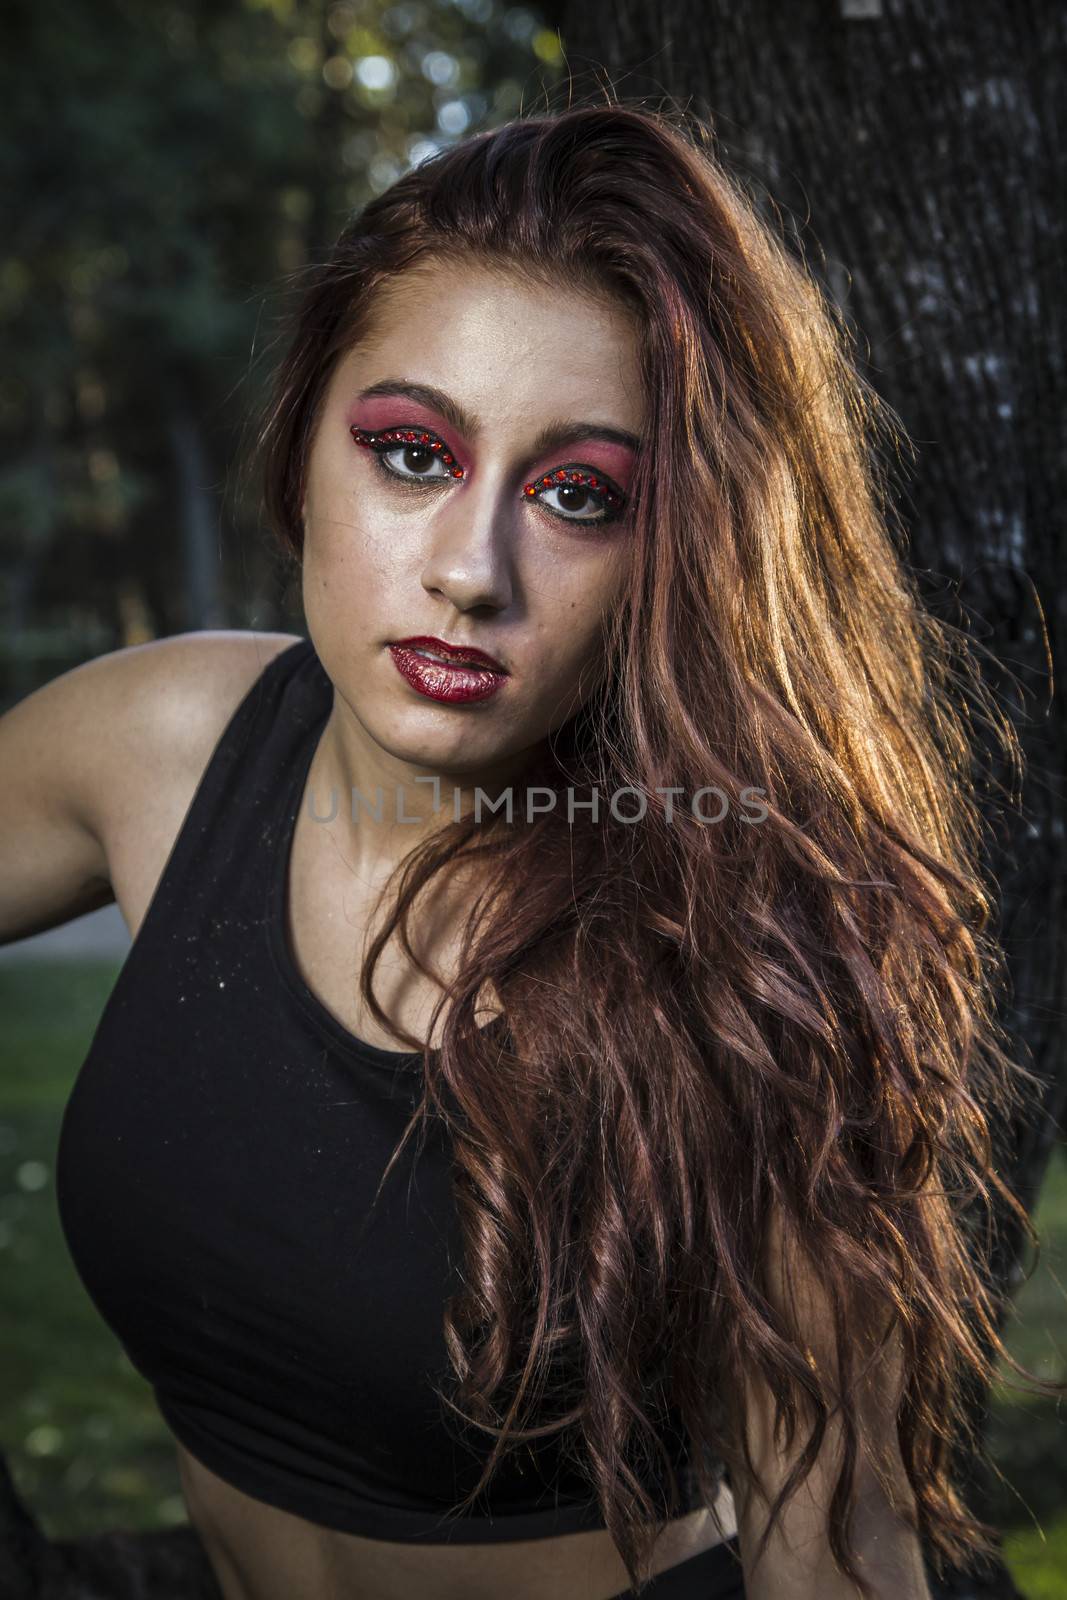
456 685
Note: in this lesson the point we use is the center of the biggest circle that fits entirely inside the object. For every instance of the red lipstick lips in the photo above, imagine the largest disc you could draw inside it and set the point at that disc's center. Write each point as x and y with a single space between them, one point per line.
459 673
455 654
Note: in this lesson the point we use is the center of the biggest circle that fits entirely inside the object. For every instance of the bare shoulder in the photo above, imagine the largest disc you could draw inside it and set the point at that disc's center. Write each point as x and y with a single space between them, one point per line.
166 705
186 687
162 706
98 766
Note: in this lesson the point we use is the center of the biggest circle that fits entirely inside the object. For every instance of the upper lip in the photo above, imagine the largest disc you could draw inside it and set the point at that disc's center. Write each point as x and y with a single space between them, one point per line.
453 652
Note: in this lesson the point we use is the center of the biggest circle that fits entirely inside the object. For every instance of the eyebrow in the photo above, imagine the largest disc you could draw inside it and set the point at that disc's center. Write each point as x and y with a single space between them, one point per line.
551 437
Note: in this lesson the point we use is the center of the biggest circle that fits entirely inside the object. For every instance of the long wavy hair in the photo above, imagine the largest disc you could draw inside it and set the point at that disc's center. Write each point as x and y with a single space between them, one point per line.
710 1028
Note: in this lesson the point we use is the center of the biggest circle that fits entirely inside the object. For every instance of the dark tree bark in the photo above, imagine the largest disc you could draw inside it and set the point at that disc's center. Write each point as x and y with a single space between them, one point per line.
915 154
199 524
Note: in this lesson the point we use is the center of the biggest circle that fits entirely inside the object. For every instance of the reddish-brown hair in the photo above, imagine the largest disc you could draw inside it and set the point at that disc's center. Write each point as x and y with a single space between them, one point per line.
709 1025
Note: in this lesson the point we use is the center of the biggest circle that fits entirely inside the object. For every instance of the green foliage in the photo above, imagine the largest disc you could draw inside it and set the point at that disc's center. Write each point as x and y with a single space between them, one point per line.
1038 1559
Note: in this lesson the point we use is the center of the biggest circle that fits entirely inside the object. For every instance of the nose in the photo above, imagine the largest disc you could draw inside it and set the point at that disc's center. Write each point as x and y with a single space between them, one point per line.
469 559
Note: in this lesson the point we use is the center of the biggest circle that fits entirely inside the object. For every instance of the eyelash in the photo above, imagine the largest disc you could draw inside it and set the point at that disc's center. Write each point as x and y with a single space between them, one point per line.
388 441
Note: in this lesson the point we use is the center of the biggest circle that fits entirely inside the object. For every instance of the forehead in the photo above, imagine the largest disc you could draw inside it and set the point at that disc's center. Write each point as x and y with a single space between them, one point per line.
494 339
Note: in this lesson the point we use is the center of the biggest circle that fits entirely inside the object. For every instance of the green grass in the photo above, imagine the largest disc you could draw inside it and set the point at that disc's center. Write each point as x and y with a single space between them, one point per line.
86 1445
85 1442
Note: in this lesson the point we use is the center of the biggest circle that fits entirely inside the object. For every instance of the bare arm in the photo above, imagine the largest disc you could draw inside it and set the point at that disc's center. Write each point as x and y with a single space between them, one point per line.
797 1561
52 861
73 752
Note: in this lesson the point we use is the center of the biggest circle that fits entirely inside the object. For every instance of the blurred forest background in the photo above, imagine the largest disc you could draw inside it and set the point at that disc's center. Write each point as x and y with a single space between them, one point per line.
170 168
165 168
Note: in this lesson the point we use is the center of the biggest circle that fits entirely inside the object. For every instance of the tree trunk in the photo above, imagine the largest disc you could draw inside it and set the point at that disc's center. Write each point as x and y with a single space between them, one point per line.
202 559
36 526
915 150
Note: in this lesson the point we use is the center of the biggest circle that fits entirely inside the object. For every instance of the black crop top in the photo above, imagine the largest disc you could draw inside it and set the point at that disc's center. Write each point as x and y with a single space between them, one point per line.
218 1154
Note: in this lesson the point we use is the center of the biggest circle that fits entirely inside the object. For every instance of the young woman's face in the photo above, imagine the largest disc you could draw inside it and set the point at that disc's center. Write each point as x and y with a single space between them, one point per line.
398 545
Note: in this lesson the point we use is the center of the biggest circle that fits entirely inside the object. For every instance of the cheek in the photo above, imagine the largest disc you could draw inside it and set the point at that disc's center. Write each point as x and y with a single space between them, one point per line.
346 585
578 595
342 506
344 539
572 628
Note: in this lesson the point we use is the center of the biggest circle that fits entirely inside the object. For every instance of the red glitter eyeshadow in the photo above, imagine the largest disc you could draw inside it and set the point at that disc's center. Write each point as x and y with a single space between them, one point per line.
398 436
372 439
588 480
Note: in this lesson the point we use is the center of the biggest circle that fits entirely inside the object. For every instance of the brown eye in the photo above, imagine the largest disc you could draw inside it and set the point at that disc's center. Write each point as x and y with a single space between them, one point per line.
417 450
583 496
417 459
578 502
577 488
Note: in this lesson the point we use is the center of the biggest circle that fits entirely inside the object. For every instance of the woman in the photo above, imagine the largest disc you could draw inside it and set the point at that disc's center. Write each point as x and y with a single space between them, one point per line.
611 831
